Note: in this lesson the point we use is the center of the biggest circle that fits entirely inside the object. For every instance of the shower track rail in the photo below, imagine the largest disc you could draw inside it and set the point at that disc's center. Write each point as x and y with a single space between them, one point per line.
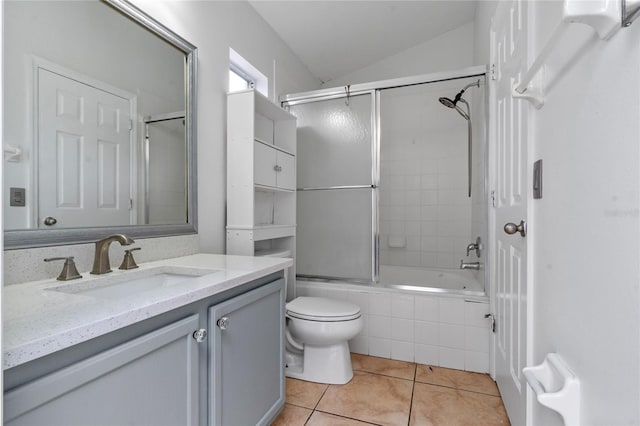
326 188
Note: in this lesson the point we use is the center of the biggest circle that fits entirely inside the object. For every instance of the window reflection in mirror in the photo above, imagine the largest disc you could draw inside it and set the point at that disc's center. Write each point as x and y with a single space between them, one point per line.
96 105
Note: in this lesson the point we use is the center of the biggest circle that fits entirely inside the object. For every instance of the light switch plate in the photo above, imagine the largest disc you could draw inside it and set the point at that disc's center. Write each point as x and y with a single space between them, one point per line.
17 197
537 180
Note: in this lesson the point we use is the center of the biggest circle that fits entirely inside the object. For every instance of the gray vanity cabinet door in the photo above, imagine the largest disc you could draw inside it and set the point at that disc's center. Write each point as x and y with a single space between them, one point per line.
247 357
151 380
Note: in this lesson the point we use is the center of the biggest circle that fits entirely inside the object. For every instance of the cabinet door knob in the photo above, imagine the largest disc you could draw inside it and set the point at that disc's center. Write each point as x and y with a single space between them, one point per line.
223 323
50 221
200 335
277 168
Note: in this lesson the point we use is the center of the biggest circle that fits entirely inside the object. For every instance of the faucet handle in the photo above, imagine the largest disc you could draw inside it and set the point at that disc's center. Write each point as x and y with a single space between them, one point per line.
128 262
69 270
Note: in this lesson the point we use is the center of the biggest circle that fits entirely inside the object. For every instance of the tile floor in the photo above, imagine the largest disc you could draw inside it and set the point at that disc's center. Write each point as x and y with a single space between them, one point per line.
388 392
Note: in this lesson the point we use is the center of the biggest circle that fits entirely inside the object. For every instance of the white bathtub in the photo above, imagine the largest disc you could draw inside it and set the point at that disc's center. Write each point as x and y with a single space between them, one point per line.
434 317
452 281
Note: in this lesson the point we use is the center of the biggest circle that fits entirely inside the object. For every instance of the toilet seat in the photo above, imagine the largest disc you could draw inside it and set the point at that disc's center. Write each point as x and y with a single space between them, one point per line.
322 309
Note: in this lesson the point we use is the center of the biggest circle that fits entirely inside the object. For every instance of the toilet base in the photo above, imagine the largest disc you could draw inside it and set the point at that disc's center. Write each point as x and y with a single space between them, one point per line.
326 364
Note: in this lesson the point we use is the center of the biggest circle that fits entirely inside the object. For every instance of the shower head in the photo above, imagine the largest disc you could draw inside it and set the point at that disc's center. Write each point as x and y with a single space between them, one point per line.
447 102
458 98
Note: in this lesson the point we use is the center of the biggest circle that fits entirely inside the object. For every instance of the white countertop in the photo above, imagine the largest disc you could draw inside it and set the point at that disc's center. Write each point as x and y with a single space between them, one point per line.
39 320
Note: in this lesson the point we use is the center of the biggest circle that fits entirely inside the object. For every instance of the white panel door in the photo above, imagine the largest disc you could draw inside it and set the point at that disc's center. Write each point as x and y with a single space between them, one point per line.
84 154
286 176
509 53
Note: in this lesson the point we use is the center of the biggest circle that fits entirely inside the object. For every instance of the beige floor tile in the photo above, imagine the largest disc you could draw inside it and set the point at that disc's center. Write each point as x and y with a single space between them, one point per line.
387 367
304 394
370 398
437 405
457 379
325 419
292 416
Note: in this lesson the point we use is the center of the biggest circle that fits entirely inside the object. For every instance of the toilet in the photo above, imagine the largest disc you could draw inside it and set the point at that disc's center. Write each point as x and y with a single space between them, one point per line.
317 335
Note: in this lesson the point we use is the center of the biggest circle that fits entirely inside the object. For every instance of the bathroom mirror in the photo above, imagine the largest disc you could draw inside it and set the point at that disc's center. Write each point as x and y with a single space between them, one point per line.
99 124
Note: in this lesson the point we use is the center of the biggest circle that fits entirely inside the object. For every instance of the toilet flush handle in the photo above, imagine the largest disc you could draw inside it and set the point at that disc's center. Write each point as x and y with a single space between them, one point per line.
223 323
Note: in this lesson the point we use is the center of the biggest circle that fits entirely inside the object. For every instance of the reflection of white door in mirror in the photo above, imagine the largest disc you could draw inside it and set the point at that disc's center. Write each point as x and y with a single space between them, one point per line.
85 154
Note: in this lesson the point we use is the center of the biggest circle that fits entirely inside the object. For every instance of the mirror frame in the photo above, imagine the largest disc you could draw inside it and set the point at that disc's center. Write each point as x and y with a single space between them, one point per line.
32 238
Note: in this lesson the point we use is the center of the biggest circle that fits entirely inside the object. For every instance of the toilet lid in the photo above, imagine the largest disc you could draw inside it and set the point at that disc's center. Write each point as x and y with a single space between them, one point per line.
322 309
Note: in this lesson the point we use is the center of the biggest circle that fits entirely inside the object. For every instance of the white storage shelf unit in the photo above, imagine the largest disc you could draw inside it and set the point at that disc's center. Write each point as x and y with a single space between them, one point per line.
261 177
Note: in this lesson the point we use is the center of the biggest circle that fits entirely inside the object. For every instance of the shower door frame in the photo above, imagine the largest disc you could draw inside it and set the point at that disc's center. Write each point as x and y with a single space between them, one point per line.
374 88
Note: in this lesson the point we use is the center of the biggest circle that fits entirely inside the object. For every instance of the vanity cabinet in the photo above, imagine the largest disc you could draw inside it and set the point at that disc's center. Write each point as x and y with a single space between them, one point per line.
261 177
149 380
247 357
163 372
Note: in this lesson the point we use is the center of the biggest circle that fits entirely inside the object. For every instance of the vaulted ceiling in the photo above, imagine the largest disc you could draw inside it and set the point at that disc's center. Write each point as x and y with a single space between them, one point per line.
334 38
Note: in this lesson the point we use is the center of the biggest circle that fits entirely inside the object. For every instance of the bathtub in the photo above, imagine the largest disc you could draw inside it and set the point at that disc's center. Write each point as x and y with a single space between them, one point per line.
436 320
451 281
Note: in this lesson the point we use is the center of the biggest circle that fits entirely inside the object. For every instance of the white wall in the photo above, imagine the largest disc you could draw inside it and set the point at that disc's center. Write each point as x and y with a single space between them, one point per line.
450 51
586 248
214 27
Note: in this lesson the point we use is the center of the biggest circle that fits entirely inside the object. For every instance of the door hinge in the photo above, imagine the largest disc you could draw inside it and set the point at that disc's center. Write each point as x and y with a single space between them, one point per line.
493 198
130 203
492 72
130 124
493 321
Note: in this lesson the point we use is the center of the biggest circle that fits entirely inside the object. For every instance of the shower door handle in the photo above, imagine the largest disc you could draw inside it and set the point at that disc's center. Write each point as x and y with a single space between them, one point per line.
511 228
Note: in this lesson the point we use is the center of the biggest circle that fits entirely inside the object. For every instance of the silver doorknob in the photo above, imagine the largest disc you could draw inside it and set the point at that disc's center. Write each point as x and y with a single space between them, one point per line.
200 335
50 221
512 228
223 323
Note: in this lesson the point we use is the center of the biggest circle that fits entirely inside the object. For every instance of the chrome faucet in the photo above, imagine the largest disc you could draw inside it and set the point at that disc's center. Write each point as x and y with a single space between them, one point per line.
477 246
101 260
469 265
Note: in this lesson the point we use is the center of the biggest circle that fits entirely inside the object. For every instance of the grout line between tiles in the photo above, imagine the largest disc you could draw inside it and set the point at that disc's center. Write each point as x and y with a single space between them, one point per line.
347 417
320 399
459 389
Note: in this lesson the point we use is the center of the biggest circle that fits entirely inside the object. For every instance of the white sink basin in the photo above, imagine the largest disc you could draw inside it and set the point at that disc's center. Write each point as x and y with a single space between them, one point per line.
133 282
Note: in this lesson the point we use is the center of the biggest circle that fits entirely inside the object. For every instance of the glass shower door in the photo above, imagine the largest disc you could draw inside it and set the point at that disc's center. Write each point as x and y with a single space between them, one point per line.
336 193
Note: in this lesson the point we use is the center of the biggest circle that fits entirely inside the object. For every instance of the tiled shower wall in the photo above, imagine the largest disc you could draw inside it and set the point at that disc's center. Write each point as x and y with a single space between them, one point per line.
443 331
424 205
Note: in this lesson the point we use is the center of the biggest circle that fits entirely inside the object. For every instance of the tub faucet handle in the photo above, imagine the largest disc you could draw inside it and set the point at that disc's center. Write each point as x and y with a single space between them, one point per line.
477 246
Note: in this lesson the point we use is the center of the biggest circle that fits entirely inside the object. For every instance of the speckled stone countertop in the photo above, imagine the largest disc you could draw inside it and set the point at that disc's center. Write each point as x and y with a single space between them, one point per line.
43 317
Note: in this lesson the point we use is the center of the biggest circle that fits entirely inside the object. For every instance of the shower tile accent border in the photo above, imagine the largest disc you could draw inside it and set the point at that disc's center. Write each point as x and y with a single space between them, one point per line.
435 330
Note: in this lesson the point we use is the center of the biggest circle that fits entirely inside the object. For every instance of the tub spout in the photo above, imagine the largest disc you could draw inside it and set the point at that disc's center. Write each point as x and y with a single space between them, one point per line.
469 265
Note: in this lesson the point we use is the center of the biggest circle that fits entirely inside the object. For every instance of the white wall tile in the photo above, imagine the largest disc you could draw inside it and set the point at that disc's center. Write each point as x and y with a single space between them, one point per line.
426 333
426 308
361 299
476 361
338 294
301 291
451 310
380 326
451 358
476 339
474 314
380 304
402 306
316 292
427 354
451 336
365 326
359 345
402 351
402 329
380 347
